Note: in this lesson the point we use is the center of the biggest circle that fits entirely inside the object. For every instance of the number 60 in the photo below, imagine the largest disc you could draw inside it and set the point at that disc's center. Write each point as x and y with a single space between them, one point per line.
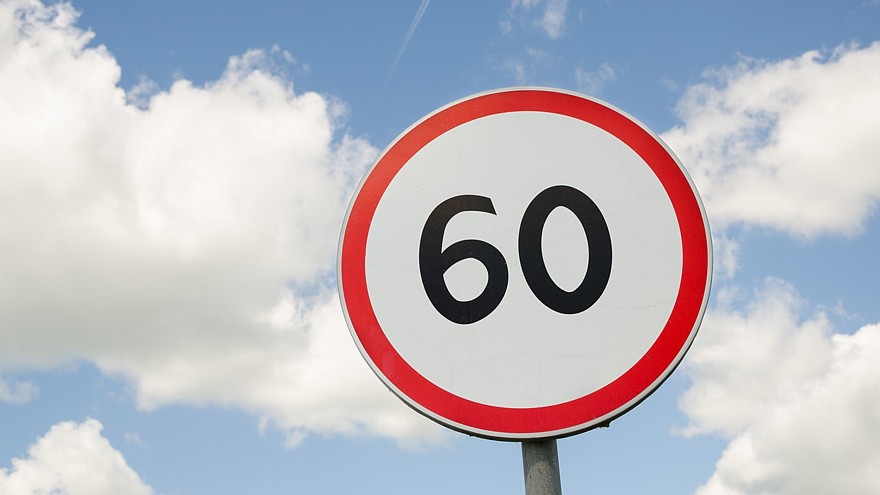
434 260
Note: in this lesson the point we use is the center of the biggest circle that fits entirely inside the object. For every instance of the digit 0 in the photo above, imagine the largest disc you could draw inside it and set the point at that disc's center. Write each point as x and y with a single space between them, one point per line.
531 255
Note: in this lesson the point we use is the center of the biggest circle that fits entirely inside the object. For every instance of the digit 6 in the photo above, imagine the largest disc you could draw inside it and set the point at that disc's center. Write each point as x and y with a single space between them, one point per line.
434 261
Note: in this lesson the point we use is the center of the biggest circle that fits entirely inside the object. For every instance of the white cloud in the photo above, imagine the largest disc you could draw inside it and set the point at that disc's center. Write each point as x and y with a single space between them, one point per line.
17 392
545 16
187 242
553 19
72 459
799 403
725 255
523 68
134 439
790 145
592 82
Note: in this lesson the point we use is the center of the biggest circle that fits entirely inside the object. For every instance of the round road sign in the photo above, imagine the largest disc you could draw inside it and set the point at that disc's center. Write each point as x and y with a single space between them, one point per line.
526 263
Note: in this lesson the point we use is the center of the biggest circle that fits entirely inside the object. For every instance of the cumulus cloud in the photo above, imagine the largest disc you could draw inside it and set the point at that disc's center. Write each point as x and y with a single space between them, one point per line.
544 16
183 238
73 459
789 145
798 402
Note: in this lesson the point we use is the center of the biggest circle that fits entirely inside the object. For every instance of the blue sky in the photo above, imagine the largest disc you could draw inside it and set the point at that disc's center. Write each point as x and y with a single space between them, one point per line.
174 180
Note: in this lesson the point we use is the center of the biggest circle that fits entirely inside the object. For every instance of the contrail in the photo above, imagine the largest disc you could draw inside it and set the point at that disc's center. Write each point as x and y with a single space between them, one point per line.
412 29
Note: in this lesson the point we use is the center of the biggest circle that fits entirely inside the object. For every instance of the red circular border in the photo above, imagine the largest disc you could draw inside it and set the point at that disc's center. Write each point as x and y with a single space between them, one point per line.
565 418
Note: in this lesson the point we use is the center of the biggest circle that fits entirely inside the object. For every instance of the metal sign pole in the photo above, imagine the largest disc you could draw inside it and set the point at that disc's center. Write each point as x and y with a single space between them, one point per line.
541 468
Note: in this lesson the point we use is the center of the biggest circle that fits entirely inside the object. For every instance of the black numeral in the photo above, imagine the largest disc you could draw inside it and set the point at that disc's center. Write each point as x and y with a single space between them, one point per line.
531 255
434 261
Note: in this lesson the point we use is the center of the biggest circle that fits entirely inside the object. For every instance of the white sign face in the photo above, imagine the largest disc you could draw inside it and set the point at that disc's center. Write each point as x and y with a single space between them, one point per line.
527 263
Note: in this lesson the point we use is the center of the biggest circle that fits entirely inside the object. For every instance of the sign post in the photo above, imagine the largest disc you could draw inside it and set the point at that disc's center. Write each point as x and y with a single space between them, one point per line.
541 468
523 265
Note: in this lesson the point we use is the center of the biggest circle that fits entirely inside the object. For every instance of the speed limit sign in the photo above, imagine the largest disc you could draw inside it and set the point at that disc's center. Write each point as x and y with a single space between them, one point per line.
526 263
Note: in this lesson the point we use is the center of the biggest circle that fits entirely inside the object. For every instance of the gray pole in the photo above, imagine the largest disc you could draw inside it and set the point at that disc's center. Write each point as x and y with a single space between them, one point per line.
541 468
